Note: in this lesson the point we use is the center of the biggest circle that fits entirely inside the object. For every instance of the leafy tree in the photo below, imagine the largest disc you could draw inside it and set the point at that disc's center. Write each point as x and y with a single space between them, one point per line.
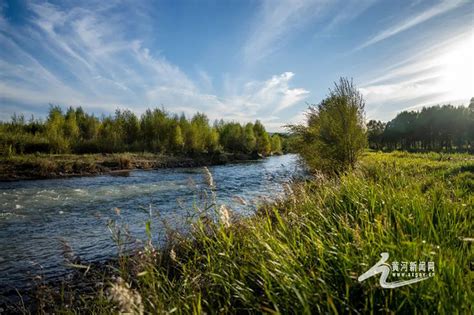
334 135
375 129
128 126
55 127
276 144
212 145
176 139
249 139
156 131
88 125
263 144
71 127
109 139
232 137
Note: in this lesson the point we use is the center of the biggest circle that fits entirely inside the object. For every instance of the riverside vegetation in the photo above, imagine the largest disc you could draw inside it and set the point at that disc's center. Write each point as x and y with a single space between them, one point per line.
77 143
304 252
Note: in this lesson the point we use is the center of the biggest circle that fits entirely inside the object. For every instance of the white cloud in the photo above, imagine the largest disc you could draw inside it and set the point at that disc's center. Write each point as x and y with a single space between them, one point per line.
348 11
413 21
80 58
276 22
443 73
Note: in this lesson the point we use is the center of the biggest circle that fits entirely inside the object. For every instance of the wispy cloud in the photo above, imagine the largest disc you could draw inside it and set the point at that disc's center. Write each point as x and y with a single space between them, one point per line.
275 24
272 95
442 73
413 21
348 11
80 57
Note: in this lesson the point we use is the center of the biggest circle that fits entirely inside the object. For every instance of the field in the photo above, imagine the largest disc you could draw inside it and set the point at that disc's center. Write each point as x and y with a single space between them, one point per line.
304 253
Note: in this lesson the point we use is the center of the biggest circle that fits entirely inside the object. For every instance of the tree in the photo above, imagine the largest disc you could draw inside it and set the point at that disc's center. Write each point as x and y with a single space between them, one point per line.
231 136
129 127
263 144
212 145
276 144
55 127
334 135
71 128
200 126
375 129
249 139
177 139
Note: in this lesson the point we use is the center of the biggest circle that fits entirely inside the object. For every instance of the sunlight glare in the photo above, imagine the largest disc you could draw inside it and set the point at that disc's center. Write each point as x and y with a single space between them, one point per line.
457 70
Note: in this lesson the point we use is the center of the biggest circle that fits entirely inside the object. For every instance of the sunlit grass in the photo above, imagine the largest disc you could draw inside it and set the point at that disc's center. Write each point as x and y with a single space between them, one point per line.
304 254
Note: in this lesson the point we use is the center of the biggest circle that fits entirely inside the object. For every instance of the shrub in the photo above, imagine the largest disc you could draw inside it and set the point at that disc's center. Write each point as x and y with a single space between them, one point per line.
334 135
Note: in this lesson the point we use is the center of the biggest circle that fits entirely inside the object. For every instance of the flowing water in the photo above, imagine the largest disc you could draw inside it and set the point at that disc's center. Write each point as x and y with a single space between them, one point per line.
38 217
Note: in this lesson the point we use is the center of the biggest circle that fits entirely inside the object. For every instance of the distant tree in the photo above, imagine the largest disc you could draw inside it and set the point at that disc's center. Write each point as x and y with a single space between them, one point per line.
276 144
375 130
88 125
71 127
263 144
200 125
249 139
109 140
433 128
212 144
155 131
177 139
232 138
128 126
191 141
55 127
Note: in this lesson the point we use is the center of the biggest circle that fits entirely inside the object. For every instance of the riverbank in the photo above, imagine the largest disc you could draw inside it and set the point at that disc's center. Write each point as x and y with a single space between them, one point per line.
304 254
46 166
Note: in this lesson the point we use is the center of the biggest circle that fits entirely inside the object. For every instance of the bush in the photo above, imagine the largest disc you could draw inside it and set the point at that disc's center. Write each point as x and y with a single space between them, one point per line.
334 135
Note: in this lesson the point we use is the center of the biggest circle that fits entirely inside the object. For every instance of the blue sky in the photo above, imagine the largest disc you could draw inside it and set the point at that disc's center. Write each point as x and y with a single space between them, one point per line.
237 60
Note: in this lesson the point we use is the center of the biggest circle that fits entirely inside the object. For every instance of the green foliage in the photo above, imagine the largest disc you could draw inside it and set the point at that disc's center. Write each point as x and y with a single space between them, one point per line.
232 137
56 130
250 141
155 131
176 139
375 131
334 135
276 144
212 144
263 145
433 128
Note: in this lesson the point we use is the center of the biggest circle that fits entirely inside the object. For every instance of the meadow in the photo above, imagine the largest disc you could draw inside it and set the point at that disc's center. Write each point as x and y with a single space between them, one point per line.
304 253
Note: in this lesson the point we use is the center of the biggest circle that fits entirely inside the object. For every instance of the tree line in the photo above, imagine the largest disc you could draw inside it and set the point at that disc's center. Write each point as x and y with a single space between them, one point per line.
433 128
75 131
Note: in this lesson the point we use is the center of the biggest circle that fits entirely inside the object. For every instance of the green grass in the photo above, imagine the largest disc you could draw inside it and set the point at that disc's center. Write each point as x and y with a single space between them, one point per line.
304 254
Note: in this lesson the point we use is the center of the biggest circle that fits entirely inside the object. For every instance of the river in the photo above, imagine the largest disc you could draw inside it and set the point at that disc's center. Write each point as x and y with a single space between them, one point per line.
38 217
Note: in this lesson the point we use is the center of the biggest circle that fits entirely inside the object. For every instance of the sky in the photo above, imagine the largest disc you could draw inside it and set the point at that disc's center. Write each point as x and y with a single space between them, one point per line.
238 60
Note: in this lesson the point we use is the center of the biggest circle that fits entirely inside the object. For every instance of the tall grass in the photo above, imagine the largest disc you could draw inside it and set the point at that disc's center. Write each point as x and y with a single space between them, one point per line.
304 254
